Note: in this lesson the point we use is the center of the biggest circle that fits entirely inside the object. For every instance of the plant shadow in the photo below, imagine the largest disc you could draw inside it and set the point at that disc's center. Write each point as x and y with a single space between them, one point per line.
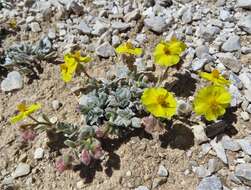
179 136
109 145
184 85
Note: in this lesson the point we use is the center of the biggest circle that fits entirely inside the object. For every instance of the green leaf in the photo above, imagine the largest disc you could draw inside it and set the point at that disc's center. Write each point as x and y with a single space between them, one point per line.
70 143
123 118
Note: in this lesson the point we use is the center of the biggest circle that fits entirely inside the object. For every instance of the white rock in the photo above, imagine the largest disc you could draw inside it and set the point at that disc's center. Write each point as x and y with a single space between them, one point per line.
210 183
199 134
21 170
120 26
232 44
35 27
162 172
229 61
247 94
230 144
245 24
39 153
224 15
105 50
246 4
13 81
84 28
100 27
141 188
219 149
156 24
133 15
187 16
56 104
245 146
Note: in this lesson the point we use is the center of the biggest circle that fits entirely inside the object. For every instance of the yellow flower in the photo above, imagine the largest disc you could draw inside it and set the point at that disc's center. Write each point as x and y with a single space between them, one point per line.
159 102
72 61
127 48
24 111
212 102
168 53
215 77
13 23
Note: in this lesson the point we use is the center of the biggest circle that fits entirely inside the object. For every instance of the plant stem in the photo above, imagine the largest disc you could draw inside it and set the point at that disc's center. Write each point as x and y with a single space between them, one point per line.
161 77
38 122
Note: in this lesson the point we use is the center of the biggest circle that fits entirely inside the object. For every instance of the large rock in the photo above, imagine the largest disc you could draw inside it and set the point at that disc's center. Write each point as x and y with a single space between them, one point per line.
246 4
232 44
21 170
156 24
12 82
229 61
210 183
245 24
243 172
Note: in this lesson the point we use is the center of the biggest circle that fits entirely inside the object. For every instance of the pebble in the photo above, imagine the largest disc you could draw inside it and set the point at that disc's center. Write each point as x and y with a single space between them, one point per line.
13 81
120 26
100 27
80 184
158 182
141 188
245 78
187 16
219 149
232 44
229 61
156 24
213 165
105 50
210 183
245 116
35 27
202 172
246 4
245 146
162 172
230 144
39 153
224 15
243 172
200 51
84 28
56 104
133 15
21 170
247 94
245 24
199 134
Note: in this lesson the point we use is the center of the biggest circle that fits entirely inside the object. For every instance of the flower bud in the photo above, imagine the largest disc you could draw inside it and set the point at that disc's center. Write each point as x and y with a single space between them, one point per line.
63 163
85 157
97 152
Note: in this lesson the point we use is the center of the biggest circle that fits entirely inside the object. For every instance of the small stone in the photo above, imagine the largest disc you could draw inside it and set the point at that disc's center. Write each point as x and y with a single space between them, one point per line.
13 81
202 172
100 27
80 184
243 172
224 15
246 79
201 51
120 26
141 188
245 146
56 104
206 147
208 33
245 24
219 149
187 16
215 129
199 134
246 4
210 183
162 172
249 108
156 24
232 44
229 61
213 165
115 40
39 153
184 108
197 64
236 95
230 144
247 94
84 28
51 34
35 27
245 116
158 182
133 15
21 170
105 50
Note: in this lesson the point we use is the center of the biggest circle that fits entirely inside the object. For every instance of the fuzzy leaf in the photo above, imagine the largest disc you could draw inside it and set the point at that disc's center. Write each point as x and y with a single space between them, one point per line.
136 122
123 118
94 115
70 143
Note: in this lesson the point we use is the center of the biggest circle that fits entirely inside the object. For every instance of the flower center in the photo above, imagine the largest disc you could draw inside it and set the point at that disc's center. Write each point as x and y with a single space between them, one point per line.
162 101
167 51
215 73
22 108
129 45
214 105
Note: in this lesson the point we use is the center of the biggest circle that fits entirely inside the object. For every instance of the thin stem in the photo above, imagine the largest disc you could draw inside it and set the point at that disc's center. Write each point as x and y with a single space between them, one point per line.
162 77
38 122
85 72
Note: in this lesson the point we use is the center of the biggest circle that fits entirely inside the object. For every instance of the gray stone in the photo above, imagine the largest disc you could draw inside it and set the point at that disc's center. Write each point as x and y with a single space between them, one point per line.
141 188
229 61
236 95
249 108
39 153
202 172
246 4
213 165
56 104
246 79
230 144
120 26
245 116
219 149
243 172
247 94
245 24
105 50
245 146
21 170
208 33
133 15
206 148
199 134
184 108
232 44
162 172
100 27
197 64
224 15
156 24
51 34
13 81
210 183
84 28
35 27
234 179
115 40
158 181
201 51
187 16
8 181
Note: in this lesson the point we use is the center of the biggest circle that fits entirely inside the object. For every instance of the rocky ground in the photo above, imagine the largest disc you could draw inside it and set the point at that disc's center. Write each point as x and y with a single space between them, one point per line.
217 33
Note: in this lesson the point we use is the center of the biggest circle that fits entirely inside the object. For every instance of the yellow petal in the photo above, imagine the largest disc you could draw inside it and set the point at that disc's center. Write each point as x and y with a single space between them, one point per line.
32 108
176 47
17 118
167 60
